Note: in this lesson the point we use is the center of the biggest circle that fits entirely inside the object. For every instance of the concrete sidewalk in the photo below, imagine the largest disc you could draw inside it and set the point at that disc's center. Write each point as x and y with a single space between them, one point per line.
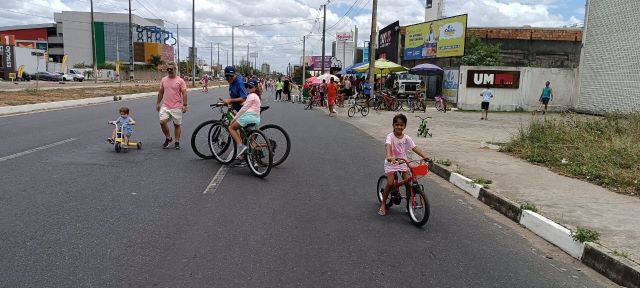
462 138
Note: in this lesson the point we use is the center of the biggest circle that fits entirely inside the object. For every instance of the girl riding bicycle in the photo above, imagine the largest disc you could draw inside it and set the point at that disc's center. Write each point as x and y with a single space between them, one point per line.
396 146
248 114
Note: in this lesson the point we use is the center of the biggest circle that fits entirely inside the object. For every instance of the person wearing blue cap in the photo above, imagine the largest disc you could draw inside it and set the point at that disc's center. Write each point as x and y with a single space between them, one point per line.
237 91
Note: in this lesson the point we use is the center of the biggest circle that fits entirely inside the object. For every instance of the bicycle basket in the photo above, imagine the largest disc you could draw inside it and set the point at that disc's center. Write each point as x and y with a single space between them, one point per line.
420 170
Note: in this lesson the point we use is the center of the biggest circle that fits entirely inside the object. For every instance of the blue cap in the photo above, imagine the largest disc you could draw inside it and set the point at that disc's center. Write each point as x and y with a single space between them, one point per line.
229 70
253 82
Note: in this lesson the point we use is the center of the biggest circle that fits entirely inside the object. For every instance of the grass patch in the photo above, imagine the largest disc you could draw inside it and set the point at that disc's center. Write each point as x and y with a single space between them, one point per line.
445 162
481 181
603 150
585 235
620 253
529 206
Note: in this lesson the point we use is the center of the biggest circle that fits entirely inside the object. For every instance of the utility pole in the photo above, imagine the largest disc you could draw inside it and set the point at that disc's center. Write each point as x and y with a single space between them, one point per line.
211 60
178 43
217 64
131 59
248 61
324 25
93 47
232 47
194 56
304 70
373 42
227 52
355 45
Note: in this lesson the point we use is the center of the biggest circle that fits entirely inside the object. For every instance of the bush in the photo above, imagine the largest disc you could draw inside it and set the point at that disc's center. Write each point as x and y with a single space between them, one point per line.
602 150
585 235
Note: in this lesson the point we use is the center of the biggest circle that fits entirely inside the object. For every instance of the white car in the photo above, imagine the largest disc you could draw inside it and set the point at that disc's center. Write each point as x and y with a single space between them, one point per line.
65 77
76 75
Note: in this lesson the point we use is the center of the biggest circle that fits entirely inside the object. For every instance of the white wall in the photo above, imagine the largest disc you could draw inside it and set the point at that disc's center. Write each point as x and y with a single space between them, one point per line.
23 57
532 80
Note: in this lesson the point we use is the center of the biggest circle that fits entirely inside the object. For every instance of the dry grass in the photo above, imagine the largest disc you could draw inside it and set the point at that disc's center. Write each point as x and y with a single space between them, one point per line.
603 151
30 96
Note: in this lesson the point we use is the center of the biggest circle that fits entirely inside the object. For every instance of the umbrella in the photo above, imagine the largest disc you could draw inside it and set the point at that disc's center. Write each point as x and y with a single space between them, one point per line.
326 77
426 69
382 66
349 69
310 79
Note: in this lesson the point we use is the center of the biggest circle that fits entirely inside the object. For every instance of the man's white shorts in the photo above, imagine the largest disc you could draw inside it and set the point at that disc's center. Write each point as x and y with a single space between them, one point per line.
175 115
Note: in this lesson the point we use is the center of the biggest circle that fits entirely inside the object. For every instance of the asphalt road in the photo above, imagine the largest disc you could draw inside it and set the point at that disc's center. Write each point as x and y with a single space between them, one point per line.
77 214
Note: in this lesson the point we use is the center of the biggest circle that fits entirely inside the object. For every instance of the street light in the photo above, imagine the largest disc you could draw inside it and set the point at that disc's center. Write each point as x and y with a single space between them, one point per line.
232 42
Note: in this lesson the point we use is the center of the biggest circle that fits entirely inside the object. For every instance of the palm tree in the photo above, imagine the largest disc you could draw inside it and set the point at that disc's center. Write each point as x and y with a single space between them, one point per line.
155 61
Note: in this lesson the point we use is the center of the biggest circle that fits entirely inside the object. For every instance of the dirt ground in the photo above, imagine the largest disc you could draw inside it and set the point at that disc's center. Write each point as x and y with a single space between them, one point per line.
31 96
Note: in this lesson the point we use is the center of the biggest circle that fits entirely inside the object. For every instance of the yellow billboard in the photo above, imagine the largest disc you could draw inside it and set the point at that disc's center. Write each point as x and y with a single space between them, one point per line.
436 39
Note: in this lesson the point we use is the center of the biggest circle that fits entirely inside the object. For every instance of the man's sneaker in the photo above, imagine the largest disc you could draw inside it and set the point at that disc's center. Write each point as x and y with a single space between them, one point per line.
166 143
177 145
240 161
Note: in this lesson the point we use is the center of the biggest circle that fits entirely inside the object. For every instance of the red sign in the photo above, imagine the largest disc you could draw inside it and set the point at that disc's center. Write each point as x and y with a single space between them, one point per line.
493 79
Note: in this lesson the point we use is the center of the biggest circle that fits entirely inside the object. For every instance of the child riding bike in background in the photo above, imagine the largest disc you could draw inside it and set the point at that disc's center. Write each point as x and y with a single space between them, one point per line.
396 146
125 121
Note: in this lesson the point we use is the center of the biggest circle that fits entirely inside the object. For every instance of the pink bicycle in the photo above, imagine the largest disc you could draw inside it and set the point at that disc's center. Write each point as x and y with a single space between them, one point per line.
441 104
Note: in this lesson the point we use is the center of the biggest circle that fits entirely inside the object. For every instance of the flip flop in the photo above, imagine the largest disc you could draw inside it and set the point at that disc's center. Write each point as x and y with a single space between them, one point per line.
382 212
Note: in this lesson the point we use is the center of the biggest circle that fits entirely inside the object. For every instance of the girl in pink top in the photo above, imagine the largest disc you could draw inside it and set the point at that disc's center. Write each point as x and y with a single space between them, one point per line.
396 146
248 114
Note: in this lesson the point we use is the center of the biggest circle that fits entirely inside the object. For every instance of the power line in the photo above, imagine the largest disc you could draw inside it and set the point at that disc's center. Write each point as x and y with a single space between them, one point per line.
345 14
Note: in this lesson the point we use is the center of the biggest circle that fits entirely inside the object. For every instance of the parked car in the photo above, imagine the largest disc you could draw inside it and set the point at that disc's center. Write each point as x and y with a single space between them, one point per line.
48 76
65 77
77 75
26 76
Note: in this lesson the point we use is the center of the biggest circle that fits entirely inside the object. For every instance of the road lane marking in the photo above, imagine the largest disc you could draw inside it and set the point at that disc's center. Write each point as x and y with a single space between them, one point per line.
12 156
217 179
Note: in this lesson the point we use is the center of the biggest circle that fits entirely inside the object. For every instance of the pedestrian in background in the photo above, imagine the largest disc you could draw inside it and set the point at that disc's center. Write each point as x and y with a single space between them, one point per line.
279 86
286 89
332 93
486 95
205 83
546 96
171 104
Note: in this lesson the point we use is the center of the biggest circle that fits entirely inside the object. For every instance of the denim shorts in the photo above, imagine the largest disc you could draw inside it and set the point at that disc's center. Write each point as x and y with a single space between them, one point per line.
248 118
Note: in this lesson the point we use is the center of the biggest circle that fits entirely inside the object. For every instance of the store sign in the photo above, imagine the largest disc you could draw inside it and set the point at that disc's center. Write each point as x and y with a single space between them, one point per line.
436 39
344 36
316 63
450 83
388 42
8 60
493 79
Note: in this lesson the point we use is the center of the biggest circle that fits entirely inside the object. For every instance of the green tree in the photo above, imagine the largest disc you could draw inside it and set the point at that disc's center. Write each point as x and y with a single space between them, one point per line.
155 61
478 53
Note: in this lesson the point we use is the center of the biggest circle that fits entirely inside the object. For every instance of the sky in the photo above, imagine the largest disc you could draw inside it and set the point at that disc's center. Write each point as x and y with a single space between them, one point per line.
274 28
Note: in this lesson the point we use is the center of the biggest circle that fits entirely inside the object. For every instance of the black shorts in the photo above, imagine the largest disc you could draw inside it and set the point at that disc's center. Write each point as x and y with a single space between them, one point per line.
485 106
346 92
545 101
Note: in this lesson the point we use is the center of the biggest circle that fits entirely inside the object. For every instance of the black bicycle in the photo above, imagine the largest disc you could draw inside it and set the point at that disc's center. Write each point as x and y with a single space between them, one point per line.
202 135
358 105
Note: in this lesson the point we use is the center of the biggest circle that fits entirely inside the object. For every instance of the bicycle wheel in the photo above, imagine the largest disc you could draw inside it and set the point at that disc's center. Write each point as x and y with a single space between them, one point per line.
258 156
439 106
221 144
351 112
418 207
395 105
279 142
403 105
382 182
364 110
200 140
421 105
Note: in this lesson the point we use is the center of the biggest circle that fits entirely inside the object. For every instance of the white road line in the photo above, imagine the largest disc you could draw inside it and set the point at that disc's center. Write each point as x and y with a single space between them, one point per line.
217 179
12 156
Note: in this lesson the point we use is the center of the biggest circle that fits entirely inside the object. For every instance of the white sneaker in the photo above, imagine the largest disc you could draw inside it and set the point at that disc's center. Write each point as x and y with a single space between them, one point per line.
242 151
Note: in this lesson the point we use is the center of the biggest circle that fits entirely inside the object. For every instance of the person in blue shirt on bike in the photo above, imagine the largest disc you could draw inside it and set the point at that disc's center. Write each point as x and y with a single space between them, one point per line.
366 89
237 91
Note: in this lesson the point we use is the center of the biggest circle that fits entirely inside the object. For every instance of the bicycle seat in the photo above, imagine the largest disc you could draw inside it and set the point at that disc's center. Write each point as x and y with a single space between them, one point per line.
264 108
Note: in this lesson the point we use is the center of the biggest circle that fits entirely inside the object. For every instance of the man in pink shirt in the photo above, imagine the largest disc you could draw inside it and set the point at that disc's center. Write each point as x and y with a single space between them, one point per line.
171 104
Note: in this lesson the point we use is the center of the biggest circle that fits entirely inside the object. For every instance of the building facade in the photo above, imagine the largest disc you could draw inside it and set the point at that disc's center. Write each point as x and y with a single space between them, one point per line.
265 68
609 68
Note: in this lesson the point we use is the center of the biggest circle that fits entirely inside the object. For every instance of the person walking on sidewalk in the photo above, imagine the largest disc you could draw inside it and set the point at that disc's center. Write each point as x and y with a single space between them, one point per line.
546 96
171 104
332 93
323 91
286 89
279 86
486 95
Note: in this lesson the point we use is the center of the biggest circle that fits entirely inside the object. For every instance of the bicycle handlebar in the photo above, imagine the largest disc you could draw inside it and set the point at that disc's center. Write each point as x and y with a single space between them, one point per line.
425 118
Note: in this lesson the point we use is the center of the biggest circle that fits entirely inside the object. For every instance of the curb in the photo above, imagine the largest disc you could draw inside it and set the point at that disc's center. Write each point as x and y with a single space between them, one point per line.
618 269
41 107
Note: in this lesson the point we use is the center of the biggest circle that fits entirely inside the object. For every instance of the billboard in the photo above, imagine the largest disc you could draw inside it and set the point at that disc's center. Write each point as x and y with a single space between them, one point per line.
344 36
493 78
436 39
388 42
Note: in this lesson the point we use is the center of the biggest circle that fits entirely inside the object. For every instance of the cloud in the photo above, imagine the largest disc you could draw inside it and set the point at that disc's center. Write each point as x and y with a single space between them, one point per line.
282 44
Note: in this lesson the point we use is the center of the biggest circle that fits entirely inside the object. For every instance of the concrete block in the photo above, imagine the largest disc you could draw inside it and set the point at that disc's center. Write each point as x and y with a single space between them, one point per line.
620 270
501 204
552 232
440 171
465 184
